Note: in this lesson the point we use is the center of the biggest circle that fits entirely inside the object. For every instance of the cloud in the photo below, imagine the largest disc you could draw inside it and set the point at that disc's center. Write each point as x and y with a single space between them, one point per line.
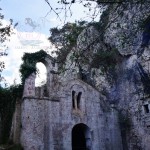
4 23
19 43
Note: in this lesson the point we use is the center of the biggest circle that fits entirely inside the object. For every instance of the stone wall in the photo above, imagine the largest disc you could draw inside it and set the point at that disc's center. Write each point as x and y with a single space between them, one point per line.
47 123
129 89
128 84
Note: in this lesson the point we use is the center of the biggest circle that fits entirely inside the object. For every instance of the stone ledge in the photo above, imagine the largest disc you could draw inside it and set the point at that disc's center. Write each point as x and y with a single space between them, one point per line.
42 98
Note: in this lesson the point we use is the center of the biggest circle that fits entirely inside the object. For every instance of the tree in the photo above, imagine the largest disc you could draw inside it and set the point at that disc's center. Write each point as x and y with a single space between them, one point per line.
5 33
65 38
65 6
63 10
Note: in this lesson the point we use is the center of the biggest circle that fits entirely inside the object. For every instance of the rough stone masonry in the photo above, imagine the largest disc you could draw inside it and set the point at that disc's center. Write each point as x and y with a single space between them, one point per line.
112 113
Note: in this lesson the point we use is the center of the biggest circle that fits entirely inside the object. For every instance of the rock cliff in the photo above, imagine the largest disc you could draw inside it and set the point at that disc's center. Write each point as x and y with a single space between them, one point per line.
115 59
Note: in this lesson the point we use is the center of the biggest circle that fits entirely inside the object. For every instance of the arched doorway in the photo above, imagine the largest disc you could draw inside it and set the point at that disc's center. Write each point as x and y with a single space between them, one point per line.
81 137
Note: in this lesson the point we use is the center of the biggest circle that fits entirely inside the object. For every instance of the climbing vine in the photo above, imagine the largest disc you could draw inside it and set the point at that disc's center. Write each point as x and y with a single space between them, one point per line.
29 63
65 39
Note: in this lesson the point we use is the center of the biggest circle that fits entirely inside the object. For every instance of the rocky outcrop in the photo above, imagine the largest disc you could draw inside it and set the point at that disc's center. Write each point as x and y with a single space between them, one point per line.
127 83
114 61
125 26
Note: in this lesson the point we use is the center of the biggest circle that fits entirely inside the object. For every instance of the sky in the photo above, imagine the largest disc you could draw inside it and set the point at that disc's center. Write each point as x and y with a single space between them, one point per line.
34 20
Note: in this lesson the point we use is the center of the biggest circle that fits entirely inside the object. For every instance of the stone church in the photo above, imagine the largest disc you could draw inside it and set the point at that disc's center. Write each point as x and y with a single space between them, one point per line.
66 115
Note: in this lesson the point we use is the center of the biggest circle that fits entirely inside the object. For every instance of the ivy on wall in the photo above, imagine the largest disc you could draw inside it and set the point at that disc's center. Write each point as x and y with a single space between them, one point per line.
29 63
9 96
65 39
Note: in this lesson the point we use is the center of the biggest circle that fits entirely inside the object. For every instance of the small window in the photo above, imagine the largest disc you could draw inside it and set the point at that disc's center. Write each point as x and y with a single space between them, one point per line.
78 99
146 108
73 99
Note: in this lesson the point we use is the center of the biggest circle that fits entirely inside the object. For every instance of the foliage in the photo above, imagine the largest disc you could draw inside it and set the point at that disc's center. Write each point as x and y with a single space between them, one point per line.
96 25
13 93
65 38
106 59
64 7
67 2
7 107
29 63
9 95
5 32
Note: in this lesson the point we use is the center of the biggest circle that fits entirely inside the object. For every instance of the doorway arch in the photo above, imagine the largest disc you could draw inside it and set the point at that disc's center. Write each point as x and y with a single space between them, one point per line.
81 137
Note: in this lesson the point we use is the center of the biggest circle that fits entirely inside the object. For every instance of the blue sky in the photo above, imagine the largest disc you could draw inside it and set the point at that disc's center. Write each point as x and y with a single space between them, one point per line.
34 21
19 10
36 10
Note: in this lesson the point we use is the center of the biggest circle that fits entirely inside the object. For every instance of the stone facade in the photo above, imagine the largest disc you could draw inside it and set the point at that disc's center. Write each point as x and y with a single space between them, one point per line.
73 115
113 112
